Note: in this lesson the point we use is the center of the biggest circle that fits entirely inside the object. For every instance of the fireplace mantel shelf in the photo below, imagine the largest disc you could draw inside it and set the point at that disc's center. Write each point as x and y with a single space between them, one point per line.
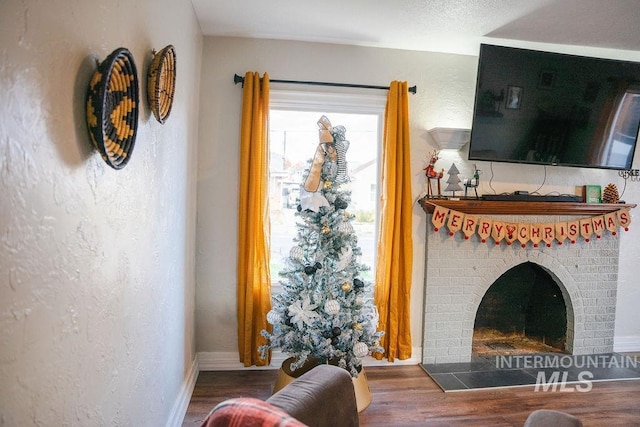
474 206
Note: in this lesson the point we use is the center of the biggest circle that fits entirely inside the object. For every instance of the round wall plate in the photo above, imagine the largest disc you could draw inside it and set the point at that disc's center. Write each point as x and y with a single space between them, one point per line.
161 83
112 108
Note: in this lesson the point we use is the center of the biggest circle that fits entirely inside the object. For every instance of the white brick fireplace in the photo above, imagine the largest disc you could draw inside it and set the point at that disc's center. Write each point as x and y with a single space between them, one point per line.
459 272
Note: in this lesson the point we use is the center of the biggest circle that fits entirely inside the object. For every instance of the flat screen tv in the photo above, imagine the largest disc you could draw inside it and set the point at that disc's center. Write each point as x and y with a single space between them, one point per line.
555 109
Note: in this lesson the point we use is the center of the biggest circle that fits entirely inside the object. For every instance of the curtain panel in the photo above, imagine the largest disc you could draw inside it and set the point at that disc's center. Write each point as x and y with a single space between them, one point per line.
395 247
254 282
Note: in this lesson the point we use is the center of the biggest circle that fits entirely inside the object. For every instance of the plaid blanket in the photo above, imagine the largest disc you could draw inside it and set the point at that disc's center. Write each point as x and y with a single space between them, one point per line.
248 412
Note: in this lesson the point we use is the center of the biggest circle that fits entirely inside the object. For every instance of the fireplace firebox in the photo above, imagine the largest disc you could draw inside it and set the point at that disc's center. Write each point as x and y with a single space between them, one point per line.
523 312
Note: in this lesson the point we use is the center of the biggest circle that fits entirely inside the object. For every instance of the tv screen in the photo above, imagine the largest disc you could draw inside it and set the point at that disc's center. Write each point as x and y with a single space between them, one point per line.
555 109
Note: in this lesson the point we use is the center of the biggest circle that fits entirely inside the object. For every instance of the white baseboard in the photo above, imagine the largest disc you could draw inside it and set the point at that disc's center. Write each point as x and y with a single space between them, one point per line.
228 361
179 409
416 357
629 343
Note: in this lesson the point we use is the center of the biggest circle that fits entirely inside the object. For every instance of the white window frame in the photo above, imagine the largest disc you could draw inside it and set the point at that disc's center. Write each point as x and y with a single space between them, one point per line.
332 102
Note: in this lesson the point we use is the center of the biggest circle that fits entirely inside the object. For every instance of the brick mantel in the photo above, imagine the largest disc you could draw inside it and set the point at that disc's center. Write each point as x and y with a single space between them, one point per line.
473 206
459 271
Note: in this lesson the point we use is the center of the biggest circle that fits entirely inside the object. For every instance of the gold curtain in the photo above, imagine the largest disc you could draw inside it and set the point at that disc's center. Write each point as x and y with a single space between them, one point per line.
395 248
254 293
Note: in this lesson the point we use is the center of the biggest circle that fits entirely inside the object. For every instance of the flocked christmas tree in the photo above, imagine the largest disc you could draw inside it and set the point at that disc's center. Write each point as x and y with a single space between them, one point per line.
325 313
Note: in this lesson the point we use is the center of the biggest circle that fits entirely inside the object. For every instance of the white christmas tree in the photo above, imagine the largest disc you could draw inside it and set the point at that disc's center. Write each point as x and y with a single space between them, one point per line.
453 180
325 312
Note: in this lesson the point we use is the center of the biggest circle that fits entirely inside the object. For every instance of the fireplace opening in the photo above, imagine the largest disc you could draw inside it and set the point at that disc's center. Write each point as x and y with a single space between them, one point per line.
523 312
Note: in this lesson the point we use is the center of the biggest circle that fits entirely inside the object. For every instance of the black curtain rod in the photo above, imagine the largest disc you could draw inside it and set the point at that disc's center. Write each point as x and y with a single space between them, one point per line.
239 79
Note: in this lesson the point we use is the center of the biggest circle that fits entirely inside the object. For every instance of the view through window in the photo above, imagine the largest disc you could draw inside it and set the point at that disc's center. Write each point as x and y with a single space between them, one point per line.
293 138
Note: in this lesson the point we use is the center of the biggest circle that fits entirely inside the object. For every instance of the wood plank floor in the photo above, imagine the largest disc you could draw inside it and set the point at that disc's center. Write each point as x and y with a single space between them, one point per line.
406 396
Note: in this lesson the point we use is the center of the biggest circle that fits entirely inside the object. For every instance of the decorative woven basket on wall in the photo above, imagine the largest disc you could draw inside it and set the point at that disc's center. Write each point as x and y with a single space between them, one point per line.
161 83
112 108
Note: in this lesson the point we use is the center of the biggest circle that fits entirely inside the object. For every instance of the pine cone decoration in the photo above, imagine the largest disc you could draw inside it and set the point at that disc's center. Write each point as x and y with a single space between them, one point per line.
610 194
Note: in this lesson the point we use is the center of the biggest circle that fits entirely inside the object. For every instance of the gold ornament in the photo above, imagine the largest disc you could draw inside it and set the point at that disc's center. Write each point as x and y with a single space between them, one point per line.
325 229
357 326
346 286
327 185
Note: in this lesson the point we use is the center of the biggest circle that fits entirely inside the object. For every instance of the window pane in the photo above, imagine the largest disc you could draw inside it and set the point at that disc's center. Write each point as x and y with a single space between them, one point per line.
293 141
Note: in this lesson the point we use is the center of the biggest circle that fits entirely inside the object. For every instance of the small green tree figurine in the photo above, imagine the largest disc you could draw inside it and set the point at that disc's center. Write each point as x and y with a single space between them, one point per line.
325 312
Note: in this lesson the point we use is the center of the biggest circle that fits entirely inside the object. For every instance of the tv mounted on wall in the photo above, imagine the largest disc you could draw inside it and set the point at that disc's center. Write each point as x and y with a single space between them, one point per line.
555 109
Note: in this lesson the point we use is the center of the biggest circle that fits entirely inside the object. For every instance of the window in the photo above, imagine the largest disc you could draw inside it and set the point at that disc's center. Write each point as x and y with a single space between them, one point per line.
293 138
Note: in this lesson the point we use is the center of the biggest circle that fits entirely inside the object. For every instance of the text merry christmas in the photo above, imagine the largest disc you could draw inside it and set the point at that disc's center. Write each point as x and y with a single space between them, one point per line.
534 232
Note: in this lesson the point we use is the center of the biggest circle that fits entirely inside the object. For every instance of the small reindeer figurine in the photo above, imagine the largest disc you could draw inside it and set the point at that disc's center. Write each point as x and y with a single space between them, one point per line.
431 173
473 182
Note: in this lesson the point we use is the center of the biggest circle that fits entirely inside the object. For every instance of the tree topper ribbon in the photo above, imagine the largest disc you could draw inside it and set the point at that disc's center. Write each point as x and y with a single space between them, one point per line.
332 144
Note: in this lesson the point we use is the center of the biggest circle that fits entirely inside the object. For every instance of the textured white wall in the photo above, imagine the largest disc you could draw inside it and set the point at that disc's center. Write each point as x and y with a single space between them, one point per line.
96 265
446 86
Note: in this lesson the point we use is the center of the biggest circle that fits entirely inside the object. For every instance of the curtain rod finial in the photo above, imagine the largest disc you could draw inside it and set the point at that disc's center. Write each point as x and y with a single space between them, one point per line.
238 79
413 89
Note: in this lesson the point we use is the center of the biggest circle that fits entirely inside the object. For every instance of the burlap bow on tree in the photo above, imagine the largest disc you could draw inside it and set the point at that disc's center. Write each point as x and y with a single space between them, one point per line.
332 144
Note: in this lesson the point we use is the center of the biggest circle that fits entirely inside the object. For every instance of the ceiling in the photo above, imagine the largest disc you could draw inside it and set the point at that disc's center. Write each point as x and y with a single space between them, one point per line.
451 26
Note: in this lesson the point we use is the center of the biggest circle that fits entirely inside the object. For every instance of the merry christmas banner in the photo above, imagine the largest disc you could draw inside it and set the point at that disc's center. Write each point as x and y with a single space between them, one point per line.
534 232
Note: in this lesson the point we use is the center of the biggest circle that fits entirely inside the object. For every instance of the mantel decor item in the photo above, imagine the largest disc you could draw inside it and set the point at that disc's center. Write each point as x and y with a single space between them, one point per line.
539 234
592 194
432 174
161 83
112 108
610 194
